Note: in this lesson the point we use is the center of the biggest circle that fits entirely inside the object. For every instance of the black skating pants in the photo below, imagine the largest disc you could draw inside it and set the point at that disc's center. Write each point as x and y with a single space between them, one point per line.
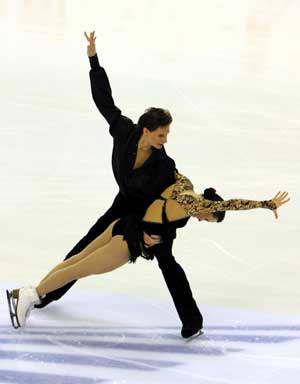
178 285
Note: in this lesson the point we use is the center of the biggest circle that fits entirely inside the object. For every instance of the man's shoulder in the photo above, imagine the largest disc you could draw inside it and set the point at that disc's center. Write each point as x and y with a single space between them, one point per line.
163 156
122 126
164 163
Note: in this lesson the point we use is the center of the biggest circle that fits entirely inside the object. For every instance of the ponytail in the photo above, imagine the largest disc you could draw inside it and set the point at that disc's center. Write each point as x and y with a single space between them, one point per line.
211 194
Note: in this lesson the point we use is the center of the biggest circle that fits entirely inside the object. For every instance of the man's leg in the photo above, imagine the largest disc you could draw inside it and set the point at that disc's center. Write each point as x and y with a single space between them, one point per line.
114 212
179 289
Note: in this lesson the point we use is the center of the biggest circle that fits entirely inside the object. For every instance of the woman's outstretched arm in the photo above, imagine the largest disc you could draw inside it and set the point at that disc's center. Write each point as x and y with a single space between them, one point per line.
194 204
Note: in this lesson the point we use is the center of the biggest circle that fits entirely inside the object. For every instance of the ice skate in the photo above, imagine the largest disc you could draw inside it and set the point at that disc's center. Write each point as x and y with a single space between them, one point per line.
20 304
192 337
11 300
191 330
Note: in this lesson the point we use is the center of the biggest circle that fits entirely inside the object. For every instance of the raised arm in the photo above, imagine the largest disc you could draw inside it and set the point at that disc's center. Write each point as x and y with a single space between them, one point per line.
100 86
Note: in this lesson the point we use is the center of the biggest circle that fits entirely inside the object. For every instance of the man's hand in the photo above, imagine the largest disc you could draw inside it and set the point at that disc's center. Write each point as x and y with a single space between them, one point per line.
279 199
91 48
150 240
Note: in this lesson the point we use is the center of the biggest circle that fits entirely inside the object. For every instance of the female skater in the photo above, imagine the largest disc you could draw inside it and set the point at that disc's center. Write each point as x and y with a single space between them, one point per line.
124 240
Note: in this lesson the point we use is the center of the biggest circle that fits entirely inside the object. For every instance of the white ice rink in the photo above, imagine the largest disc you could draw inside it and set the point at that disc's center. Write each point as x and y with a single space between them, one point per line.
229 73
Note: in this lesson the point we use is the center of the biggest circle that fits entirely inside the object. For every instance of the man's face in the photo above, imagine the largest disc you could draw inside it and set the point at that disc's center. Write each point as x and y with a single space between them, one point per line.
158 137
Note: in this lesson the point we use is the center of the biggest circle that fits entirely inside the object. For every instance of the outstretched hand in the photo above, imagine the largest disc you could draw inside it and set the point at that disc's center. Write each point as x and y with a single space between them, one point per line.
279 199
91 48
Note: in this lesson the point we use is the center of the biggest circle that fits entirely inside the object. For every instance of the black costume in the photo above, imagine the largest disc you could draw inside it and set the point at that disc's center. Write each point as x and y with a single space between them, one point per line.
138 188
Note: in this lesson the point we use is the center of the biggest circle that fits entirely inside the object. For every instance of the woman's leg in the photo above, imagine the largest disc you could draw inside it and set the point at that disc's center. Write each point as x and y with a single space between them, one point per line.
99 242
105 259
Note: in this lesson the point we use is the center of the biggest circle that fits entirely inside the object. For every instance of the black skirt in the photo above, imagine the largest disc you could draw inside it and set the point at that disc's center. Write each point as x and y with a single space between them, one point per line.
130 227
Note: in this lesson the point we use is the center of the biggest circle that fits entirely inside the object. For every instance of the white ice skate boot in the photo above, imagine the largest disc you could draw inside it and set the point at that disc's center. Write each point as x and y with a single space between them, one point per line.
27 298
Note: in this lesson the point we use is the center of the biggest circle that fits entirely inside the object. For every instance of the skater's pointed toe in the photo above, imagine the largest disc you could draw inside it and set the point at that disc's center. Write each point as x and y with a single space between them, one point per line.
21 301
27 298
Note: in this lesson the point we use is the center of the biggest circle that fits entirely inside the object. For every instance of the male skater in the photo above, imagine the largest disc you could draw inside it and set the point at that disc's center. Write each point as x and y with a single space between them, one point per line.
142 170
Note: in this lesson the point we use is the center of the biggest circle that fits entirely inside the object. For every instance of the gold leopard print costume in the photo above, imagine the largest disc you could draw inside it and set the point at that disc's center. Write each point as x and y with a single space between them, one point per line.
182 193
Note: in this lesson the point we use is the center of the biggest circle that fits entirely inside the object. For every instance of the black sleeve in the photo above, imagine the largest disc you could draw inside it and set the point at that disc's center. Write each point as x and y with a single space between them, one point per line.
103 99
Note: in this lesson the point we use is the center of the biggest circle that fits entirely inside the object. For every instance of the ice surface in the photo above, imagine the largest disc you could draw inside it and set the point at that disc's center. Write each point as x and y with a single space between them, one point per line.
120 339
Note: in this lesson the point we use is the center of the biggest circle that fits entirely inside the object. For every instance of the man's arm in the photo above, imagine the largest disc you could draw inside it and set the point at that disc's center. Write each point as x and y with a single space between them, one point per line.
100 86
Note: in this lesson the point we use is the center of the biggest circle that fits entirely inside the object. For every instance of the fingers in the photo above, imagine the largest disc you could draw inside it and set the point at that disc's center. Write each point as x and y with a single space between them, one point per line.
280 195
283 195
153 237
277 194
148 245
90 38
150 240
285 201
281 198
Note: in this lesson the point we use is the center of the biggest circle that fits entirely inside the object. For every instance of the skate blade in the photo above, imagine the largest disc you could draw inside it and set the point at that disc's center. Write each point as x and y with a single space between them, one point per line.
12 310
197 334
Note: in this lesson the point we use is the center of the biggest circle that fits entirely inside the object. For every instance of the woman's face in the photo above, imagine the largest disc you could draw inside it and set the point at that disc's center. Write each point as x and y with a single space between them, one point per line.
206 216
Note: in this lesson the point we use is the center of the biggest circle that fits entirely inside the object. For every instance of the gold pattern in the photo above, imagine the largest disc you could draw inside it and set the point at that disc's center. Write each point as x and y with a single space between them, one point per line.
193 204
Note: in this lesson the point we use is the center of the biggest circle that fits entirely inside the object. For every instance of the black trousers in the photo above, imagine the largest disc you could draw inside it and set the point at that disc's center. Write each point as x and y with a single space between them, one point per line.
174 275
178 285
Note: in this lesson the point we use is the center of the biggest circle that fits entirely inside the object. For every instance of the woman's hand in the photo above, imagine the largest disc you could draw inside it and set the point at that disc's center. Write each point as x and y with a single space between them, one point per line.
279 199
150 240
91 48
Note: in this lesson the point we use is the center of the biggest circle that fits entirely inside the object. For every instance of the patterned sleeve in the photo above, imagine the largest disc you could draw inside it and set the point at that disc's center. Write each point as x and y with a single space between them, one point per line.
182 183
193 205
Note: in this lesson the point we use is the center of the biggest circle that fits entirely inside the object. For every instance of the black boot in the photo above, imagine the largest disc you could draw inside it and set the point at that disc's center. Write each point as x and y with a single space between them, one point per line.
191 329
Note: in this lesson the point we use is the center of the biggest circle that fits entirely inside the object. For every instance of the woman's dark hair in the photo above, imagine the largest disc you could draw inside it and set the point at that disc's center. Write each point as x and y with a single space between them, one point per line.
210 194
153 118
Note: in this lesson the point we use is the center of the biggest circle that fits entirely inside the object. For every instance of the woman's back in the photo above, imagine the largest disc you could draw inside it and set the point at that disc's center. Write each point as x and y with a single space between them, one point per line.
173 210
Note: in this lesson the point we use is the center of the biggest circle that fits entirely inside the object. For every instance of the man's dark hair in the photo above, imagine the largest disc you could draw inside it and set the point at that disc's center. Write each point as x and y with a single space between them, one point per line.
153 118
210 194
